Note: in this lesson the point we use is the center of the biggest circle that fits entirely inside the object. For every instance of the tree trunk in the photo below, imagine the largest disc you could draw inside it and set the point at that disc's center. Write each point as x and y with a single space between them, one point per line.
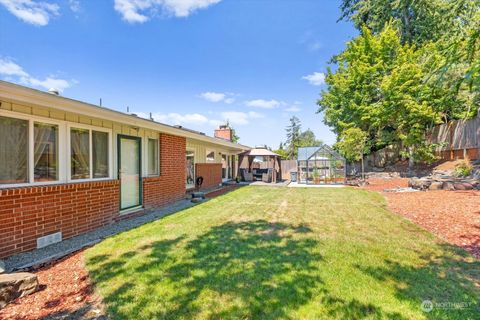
363 170
411 162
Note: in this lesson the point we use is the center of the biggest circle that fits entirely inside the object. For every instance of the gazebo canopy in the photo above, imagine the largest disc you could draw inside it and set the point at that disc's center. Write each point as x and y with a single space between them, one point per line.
260 152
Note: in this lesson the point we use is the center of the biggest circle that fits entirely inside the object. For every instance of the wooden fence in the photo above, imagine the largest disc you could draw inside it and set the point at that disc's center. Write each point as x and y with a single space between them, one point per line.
457 139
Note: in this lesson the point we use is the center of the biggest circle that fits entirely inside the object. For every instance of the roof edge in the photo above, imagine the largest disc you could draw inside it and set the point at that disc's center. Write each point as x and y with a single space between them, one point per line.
19 93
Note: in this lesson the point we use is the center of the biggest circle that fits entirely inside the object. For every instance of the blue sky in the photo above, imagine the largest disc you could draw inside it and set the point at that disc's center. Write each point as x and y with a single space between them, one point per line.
190 62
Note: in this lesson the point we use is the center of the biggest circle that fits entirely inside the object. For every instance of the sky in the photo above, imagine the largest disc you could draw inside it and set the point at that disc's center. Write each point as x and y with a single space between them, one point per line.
195 63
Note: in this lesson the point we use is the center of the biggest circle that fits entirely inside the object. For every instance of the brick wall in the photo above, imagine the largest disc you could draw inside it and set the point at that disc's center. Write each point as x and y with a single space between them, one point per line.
170 185
31 212
211 173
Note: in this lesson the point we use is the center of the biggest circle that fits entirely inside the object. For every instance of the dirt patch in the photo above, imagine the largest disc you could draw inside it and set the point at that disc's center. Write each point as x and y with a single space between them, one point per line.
451 215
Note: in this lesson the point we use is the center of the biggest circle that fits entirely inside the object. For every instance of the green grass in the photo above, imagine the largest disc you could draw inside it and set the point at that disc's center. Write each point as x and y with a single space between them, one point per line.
284 253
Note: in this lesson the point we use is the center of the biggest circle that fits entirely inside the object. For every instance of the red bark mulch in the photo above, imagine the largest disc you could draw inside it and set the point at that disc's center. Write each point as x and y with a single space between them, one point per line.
453 216
65 293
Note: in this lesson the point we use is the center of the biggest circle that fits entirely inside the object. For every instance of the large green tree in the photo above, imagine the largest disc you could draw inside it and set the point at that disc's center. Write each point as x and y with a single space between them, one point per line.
418 21
379 87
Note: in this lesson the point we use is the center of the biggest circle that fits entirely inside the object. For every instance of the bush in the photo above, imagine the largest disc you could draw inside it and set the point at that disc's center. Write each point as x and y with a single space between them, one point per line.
463 169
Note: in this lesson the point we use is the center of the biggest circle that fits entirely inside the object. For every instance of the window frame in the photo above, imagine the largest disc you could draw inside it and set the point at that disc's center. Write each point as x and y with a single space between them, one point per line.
32 119
147 151
64 161
192 150
207 152
68 154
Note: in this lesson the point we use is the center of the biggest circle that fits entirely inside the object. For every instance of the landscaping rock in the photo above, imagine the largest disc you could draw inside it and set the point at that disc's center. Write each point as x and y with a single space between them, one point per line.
2 267
463 186
436 185
448 186
421 184
16 285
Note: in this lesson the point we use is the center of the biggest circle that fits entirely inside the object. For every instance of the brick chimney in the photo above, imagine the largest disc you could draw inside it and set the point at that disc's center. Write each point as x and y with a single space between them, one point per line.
223 132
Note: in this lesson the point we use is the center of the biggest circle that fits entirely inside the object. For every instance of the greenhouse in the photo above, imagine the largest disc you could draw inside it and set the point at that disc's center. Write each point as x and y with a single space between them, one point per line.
320 165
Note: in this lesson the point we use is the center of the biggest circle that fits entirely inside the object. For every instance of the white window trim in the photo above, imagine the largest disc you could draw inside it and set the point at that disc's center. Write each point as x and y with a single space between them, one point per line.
191 186
63 138
208 151
90 128
146 155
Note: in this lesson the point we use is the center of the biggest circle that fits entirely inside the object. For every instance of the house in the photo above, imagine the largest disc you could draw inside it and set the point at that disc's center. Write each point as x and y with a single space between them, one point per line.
69 167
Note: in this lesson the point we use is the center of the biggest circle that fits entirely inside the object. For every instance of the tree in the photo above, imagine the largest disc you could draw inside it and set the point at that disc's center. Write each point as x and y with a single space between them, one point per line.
308 139
235 137
353 145
418 21
379 87
293 137
281 151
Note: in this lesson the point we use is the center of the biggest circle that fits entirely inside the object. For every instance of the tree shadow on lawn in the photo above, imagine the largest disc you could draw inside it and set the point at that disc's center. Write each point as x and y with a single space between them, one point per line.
450 280
237 270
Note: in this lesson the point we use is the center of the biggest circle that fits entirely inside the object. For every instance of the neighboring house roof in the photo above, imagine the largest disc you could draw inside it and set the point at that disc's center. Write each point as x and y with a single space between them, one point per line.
306 153
22 94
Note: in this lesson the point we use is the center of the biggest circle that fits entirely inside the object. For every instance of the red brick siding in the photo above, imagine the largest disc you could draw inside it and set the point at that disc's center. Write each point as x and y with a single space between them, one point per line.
224 134
170 185
211 173
31 212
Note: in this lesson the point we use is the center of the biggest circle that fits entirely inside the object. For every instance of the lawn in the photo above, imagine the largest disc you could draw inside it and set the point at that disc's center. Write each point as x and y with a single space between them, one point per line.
284 253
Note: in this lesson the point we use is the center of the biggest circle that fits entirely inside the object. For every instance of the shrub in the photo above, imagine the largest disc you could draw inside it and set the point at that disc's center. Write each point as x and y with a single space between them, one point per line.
463 169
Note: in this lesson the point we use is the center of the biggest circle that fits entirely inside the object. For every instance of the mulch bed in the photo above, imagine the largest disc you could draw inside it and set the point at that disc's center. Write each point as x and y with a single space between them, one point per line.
65 293
453 216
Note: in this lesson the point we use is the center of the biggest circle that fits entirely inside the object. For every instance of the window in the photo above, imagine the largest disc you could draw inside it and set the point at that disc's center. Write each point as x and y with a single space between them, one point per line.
210 156
152 156
86 164
80 153
45 152
100 154
13 150
36 150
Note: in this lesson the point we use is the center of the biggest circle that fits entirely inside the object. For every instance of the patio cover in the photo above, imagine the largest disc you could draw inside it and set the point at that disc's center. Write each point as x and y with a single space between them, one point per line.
273 160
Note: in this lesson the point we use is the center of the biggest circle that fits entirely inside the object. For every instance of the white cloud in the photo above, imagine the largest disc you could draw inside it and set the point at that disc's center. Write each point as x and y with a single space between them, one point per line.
240 118
293 108
139 11
229 100
15 73
213 96
218 97
265 104
33 12
315 79
174 118
74 5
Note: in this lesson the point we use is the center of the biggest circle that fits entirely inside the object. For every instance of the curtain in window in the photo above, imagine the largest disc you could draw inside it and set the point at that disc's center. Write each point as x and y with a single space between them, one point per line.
45 152
100 154
152 156
80 153
13 150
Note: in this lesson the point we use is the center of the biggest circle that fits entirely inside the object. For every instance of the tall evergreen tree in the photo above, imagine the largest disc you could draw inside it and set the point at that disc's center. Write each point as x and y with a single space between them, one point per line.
293 137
